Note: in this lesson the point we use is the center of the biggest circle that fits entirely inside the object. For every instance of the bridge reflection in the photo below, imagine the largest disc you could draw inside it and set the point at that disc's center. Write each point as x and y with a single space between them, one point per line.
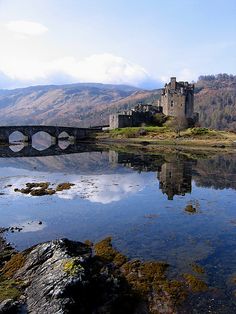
30 151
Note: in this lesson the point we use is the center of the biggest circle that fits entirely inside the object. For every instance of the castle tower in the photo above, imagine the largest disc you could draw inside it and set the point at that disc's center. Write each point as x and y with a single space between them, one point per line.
177 99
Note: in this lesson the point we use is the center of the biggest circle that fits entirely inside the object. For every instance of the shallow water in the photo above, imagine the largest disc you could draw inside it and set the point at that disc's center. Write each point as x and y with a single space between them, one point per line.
139 200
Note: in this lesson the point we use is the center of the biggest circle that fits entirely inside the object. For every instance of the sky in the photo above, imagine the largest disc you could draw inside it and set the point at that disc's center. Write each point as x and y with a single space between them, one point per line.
136 42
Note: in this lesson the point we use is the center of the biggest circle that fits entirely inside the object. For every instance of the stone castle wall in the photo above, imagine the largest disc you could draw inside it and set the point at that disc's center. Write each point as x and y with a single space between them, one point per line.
120 121
135 117
177 99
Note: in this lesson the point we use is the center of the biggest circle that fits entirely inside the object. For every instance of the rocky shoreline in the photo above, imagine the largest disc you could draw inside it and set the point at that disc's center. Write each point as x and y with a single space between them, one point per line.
63 276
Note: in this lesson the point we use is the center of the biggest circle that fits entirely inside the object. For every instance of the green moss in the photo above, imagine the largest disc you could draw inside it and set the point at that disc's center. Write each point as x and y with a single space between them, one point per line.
16 262
72 267
200 131
124 132
195 284
64 186
9 289
133 132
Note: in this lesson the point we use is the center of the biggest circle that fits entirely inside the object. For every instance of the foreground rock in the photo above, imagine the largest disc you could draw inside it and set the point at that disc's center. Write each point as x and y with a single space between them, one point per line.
63 276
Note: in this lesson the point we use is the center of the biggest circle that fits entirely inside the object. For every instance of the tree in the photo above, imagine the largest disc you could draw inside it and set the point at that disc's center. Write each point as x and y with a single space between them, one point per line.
159 119
178 124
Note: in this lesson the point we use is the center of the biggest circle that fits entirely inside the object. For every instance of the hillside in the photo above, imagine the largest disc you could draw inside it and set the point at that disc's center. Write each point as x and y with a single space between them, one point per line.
215 100
90 104
74 105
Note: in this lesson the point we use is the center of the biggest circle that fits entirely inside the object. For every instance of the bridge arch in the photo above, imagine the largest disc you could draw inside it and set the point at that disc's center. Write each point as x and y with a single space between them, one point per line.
42 140
17 136
64 135
16 148
64 140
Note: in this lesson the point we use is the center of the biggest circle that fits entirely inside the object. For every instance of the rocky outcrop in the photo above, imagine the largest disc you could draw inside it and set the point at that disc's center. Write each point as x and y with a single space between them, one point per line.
51 271
64 276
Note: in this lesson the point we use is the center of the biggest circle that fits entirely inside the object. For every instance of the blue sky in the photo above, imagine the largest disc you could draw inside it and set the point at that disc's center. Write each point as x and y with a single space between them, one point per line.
134 42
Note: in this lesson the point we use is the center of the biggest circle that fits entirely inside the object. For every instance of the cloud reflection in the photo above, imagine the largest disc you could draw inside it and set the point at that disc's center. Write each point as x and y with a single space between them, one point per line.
103 189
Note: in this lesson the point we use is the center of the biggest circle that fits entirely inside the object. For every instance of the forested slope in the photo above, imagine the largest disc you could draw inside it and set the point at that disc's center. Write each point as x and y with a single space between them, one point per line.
215 100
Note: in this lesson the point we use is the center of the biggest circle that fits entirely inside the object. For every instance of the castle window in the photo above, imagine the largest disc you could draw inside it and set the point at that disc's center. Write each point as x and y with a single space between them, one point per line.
172 103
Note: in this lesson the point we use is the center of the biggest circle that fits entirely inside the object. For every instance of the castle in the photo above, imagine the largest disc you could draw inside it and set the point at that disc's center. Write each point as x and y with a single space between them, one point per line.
177 100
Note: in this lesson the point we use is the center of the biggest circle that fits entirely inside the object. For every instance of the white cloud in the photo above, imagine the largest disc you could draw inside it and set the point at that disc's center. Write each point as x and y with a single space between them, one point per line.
105 189
26 27
184 74
101 68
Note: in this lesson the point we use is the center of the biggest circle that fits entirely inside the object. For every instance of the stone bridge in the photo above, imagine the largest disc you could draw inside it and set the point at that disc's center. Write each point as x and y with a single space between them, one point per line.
75 134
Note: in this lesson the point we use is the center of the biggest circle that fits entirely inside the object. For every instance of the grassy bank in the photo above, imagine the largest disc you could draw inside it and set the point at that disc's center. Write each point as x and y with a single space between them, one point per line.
165 136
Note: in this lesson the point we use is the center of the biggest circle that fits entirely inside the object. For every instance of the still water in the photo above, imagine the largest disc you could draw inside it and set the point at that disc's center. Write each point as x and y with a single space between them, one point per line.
139 199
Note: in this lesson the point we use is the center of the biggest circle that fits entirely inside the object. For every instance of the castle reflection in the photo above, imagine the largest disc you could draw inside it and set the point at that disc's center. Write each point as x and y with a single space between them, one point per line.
175 178
173 173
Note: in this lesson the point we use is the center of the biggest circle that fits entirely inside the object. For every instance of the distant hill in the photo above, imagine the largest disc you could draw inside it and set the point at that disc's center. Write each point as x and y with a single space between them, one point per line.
90 104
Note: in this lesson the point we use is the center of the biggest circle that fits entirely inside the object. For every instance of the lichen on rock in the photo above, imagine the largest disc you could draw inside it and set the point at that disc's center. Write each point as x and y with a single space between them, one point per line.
72 266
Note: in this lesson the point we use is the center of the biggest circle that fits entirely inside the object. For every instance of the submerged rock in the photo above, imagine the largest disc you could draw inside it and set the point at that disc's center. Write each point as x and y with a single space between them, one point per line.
190 209
42 188
64 186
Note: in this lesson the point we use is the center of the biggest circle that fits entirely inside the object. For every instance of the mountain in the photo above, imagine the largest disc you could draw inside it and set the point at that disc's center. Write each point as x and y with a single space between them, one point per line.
86 104
74 104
